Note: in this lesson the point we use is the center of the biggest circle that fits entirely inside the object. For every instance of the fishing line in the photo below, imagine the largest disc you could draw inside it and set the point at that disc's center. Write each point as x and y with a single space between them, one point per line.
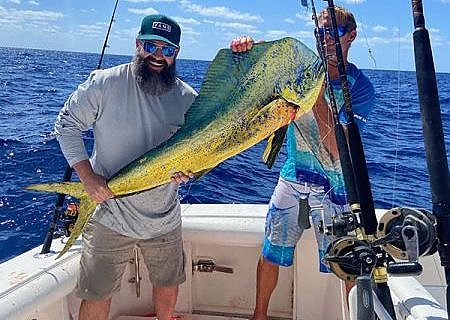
332 103
312 147
348 175
342 143
397 127
369 50
188 185
362 28
186 207
349 143
322 54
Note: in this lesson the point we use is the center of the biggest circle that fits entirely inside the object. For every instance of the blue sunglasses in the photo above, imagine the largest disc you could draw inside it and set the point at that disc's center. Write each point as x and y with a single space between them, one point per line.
341 30
150 47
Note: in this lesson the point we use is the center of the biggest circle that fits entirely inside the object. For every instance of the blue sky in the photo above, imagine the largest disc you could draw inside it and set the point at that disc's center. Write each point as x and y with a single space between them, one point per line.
385 26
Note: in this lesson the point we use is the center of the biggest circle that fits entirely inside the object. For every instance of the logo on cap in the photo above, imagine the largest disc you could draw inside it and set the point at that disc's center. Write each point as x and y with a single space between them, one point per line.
161 26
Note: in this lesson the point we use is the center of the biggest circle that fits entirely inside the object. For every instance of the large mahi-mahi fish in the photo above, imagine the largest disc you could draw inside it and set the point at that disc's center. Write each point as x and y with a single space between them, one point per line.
244 98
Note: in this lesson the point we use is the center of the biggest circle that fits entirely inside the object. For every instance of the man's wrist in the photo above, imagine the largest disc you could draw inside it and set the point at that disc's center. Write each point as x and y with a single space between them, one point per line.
84 170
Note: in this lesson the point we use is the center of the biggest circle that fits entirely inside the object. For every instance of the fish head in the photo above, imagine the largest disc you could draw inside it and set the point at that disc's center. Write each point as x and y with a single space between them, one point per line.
304 78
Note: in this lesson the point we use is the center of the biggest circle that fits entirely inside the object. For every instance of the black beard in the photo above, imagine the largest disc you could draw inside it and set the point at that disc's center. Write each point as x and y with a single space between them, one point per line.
151 82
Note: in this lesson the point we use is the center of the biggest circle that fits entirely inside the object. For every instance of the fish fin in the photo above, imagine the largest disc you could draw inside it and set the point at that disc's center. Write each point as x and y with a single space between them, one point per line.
85 210
223 81
74 189
231 76
274 143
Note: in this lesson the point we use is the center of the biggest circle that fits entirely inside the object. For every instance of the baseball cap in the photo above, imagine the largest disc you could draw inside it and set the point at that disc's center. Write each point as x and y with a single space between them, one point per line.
160 27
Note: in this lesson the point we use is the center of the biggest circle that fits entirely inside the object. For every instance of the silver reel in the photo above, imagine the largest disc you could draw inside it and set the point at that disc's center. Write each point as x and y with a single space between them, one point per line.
408 233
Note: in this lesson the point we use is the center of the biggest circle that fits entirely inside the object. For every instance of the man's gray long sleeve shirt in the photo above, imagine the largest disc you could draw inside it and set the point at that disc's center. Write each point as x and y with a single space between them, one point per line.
126 123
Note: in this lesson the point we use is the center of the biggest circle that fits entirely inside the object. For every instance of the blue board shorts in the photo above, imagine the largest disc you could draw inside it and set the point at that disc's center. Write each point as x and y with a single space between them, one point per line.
282 230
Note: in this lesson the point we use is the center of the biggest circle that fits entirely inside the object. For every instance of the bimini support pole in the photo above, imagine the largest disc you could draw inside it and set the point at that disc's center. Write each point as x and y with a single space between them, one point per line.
433 137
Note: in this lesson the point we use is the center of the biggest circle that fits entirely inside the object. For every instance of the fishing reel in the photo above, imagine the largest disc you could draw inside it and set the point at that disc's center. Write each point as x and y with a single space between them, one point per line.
349 258
402 234
341 225
69 218
407 234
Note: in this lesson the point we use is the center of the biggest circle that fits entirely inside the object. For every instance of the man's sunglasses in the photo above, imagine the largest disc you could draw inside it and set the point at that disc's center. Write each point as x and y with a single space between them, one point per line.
150 47
341 30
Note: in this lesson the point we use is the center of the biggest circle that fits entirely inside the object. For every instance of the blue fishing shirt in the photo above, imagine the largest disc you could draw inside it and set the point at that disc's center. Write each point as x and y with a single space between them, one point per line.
309 159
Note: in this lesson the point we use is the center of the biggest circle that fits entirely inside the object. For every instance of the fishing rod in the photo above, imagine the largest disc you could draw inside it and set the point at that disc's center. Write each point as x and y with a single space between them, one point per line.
351 152
105 43
433 138
354 168
69 170
358 159
367 256
367 215
341 140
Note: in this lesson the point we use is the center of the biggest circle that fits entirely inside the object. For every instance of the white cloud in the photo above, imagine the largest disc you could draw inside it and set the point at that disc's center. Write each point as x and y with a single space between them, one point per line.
236 25
92 30
145 11
189 31
353 1
395 31
28 18
307 17
436 38
379 40
361 24
277 34
289 20
34 3
379 28
222 12
182 20
126 33
433 30
303 35
14 1
30 23
88 10
395 40
148 1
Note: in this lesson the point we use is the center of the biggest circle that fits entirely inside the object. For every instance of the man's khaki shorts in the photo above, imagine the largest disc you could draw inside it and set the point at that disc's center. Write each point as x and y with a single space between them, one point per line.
106 253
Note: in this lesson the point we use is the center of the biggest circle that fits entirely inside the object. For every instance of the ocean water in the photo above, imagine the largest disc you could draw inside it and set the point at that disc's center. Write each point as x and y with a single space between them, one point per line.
35 83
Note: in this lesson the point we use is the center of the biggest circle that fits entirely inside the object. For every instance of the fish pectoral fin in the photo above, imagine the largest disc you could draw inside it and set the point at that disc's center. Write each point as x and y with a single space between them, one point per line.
274 143
279 109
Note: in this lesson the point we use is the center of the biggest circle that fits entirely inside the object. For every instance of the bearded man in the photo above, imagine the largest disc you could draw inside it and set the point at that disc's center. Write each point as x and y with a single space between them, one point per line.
131 108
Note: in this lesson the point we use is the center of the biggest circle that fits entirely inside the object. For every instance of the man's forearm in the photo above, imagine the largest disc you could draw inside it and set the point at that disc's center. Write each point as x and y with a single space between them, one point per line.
84 169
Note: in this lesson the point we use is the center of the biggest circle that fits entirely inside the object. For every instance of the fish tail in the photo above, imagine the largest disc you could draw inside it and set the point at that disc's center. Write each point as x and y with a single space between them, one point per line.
85 210
74 189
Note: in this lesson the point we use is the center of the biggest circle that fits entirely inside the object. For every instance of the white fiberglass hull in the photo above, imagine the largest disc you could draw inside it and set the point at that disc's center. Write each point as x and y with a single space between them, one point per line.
37 287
